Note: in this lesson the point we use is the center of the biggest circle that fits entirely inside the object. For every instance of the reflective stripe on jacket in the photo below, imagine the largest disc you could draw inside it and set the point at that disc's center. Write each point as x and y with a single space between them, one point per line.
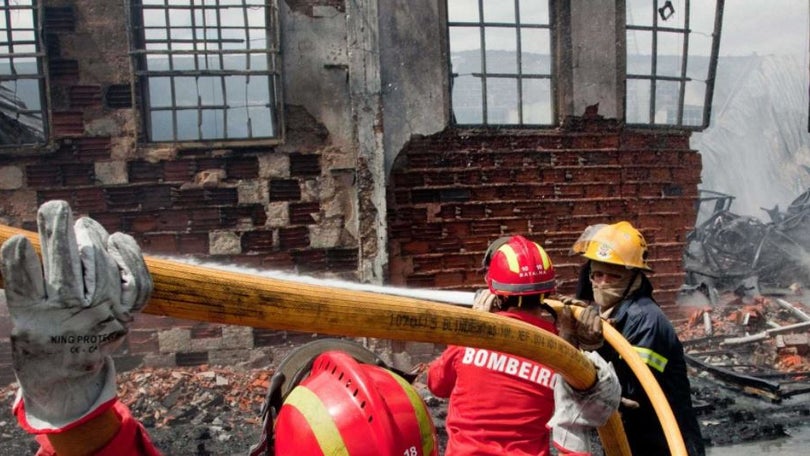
642 322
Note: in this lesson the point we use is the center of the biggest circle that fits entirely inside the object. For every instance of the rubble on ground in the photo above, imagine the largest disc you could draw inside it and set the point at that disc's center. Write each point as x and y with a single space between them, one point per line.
199 411
747 339
749 362
162 397
759 345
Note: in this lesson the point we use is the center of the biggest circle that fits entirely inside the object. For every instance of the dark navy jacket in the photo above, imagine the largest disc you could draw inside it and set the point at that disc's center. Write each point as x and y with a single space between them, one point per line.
641 321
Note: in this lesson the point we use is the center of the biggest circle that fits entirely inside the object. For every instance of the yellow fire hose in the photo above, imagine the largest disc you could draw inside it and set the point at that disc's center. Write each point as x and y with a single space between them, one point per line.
213 295
663 411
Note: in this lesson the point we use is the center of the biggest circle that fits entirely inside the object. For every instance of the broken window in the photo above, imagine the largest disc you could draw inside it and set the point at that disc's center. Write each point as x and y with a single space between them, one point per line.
22 79
208 70
500 62
671 61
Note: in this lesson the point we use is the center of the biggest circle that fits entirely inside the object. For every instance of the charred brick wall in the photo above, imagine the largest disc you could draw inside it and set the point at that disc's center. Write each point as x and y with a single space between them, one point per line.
280 207
454 192
295 206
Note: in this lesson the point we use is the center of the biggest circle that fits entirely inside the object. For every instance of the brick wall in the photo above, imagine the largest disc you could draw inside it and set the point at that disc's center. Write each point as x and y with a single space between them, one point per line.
454 192
276 206
293 207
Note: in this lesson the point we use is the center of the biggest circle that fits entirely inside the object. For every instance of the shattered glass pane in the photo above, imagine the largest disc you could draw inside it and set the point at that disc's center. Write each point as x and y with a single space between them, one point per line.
201 51
537 107
22 103
502 102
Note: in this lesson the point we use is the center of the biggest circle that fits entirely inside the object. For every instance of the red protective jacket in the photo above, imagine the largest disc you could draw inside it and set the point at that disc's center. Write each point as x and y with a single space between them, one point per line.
499 403
131 439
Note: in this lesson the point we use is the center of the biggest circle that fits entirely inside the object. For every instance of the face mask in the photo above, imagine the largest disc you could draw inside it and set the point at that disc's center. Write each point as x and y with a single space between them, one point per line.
609 293
607 296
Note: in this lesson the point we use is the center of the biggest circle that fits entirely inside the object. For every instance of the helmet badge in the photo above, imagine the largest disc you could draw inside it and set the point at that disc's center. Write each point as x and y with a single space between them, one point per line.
604 251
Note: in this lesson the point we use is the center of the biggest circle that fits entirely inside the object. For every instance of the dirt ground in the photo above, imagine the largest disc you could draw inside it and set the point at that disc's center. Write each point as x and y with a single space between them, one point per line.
215 411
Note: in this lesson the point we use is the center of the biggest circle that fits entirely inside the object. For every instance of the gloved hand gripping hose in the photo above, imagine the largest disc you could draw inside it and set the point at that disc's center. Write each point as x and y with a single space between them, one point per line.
672 431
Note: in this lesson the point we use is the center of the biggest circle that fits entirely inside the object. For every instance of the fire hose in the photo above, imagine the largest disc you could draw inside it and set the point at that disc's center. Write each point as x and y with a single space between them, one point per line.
659 401
214 295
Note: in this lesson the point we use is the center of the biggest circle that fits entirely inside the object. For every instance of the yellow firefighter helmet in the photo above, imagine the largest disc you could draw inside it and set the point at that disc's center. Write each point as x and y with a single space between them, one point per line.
619 243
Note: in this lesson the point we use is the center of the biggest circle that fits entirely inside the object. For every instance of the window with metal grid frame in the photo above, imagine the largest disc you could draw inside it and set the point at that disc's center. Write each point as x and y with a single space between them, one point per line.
207 70
672 49
501 62
23 114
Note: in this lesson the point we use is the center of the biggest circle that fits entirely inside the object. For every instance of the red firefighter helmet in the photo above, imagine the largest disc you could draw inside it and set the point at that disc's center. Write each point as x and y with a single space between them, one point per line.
520 267
347 404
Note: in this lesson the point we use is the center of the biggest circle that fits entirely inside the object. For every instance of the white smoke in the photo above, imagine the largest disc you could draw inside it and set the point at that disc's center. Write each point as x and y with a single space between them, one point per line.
758 148
462 298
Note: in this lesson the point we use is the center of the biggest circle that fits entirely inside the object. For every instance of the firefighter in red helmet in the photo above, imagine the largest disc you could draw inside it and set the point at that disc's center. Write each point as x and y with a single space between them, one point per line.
333 396
71 311
500 403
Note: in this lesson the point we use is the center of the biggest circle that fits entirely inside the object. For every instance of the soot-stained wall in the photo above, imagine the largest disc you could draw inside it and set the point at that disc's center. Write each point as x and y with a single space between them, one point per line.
370 183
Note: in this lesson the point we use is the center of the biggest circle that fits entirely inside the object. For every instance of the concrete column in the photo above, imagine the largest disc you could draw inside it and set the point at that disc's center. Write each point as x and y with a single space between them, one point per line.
415 68
365 87
591 48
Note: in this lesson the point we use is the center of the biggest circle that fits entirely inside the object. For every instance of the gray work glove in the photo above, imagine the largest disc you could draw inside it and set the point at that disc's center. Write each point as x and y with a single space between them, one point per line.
575 412
571 301
585 331
486 301
70 313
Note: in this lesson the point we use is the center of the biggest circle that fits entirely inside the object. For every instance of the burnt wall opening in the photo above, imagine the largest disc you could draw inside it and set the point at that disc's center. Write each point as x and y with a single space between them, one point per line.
452 193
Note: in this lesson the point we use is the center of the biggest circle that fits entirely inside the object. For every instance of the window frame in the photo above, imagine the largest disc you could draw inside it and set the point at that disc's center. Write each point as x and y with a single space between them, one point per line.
40 56
140 88
682 78
519 76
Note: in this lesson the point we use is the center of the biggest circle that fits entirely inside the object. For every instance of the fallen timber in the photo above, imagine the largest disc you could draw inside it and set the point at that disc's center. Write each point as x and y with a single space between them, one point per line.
774 386
750 363
752 384
214 295
792 309
765 334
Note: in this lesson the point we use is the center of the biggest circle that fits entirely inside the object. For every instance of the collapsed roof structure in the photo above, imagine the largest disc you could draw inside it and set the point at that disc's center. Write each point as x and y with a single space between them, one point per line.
751 328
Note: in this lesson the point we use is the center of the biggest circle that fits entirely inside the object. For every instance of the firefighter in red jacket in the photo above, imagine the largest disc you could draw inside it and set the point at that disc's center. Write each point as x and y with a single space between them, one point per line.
72 310
500 403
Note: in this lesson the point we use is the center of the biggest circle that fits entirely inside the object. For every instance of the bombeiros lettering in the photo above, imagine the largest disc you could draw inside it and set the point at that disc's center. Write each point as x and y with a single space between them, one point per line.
510 365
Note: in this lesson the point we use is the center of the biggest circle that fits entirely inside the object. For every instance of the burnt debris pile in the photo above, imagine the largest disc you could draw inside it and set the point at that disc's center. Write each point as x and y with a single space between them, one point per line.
750 327
759 345
727 251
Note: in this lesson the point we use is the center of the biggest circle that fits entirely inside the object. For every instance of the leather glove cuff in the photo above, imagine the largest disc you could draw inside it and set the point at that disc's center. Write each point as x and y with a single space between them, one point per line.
34 422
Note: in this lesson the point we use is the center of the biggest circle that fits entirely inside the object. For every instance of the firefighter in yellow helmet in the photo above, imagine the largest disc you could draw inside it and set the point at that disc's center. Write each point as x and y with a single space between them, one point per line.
614 276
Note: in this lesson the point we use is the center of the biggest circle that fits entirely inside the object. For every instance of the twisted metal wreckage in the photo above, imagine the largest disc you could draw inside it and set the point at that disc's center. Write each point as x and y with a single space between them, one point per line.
752 330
